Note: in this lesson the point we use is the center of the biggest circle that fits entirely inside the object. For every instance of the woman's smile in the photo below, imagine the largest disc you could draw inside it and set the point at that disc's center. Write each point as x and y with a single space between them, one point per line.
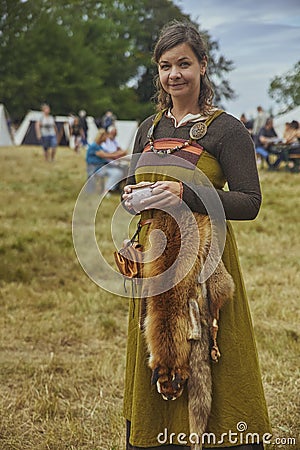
176 85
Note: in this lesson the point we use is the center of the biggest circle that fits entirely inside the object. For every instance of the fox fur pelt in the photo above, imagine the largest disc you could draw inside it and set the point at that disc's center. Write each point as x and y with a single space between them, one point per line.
177 323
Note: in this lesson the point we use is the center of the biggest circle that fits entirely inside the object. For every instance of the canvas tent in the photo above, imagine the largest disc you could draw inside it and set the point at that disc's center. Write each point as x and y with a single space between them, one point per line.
5 137
280 121
126 133
25 135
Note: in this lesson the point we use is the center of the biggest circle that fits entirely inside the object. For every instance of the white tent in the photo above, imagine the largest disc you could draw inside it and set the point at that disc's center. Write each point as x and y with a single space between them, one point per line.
25 134
126 133
5 137
280 121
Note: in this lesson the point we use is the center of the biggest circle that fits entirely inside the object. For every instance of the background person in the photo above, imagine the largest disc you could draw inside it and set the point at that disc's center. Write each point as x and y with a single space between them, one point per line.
46 131
291 137
76 135
84 125
108 120
111 145
185 98
258 123
266 137
97 158
248 123
291 133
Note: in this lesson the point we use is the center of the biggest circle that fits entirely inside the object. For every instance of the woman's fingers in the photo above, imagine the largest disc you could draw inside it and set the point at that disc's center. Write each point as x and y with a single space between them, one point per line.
160 200
128 188
165 194
171 186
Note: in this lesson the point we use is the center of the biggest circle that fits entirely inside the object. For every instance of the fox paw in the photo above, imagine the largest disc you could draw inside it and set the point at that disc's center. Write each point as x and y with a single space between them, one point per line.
169 382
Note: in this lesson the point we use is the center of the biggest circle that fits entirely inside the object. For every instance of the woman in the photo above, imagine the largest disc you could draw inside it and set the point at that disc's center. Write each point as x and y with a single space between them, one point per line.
76 135
46 131
97 158
227 155
291 137
291 133
266 137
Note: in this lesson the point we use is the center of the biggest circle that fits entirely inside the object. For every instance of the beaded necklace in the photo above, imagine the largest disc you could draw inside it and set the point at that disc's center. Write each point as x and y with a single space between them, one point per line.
198 130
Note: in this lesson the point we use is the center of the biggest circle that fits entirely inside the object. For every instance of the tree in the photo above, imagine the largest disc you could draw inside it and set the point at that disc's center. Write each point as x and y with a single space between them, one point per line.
39 61
285 89
87 54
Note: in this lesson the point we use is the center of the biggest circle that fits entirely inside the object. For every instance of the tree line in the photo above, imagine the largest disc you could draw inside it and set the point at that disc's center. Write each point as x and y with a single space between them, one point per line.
96 55
88 54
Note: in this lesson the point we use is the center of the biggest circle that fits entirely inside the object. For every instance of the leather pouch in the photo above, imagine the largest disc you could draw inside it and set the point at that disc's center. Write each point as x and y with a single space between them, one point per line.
129 259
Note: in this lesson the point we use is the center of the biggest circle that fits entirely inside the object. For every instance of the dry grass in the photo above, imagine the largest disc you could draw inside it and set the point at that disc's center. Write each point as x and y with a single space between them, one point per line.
63 339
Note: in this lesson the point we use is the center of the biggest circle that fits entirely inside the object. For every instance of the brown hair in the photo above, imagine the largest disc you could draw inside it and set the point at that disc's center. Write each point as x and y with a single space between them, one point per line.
173 34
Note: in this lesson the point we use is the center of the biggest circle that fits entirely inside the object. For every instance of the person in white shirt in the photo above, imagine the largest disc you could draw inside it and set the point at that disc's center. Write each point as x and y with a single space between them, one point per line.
111 144
46 132
113 170
258 123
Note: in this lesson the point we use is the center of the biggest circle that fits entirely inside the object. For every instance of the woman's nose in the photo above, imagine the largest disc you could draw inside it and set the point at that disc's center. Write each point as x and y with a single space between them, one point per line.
175 72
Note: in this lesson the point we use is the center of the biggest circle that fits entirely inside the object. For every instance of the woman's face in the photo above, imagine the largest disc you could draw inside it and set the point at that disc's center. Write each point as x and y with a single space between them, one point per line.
179 72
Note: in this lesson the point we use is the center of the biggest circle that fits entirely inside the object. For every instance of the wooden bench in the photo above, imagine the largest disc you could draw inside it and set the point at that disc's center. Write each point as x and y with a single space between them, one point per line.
295 158
291 153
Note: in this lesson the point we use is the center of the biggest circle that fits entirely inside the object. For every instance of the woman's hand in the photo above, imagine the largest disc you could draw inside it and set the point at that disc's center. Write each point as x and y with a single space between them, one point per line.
127 196
165 194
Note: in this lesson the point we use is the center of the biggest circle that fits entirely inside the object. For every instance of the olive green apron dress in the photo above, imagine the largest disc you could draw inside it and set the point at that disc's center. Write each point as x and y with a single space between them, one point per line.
237 387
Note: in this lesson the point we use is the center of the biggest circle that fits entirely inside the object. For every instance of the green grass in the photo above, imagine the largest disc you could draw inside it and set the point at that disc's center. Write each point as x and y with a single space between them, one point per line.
63 339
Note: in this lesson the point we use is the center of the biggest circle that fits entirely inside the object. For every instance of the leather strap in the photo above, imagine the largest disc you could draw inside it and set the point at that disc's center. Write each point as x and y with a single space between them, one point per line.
140 224
159 115
145 222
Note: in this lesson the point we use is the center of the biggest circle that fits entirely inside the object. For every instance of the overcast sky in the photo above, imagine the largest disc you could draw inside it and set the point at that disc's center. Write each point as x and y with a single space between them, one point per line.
262 37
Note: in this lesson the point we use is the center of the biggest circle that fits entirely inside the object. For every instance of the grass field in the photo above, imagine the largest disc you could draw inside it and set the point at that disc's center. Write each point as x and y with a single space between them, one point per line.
63 339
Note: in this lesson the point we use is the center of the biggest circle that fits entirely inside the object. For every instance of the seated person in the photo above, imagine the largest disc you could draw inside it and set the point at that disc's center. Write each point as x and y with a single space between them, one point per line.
291 133
266 137
111 145
97 158
290 138
247 123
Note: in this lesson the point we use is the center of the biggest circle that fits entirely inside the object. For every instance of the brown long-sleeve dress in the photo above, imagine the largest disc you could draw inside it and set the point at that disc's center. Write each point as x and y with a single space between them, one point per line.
238 395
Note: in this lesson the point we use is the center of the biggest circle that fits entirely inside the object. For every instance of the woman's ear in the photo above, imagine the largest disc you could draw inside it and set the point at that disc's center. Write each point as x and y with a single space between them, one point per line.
203 66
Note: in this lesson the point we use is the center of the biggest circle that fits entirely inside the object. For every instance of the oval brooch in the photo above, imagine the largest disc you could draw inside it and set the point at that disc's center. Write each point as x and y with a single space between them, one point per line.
198 131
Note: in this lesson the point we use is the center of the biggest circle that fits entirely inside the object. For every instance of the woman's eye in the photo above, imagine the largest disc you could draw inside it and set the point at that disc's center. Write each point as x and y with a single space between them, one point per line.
164 67
184 64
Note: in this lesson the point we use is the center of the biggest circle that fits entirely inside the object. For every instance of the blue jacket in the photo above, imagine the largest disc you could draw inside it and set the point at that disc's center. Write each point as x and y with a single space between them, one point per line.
92 158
